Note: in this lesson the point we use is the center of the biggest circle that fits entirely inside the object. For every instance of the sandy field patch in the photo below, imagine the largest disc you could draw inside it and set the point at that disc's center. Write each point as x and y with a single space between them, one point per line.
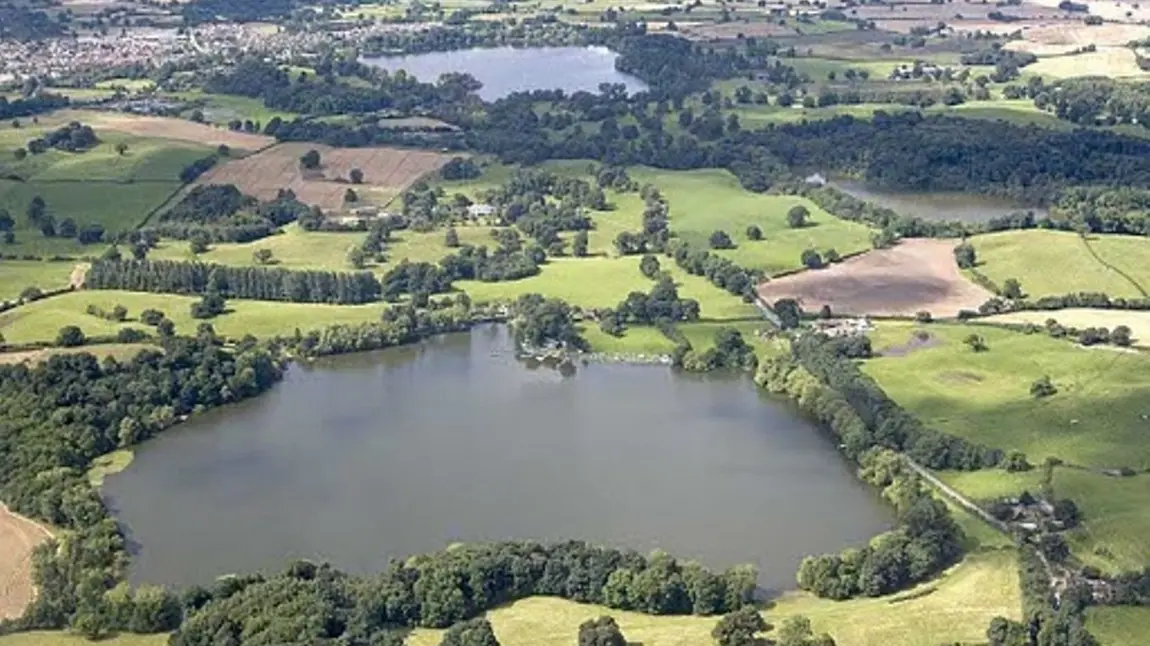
18 537
167 128
1108 9
914 276
386 173
1115 62
1078 33
1138 322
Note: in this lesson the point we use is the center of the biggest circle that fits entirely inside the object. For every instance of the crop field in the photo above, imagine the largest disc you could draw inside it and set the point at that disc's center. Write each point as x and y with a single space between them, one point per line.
387 172
914 275
18 537
957 609
706 201
1138 322
41 320
1098 418
1118 625
1114 62
167 128
15 275
1029 255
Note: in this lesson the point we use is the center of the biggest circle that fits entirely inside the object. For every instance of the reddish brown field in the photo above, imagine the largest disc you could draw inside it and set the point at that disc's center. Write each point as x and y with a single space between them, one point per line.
18 536
386 173
914 276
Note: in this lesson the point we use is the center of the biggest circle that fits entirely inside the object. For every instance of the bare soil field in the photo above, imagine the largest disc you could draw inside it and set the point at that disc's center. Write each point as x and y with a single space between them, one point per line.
914 276
18 537
386 173
731 30
167 128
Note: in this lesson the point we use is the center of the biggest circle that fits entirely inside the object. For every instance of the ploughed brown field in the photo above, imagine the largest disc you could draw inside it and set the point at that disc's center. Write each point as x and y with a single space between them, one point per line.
386 173
916 275
18 537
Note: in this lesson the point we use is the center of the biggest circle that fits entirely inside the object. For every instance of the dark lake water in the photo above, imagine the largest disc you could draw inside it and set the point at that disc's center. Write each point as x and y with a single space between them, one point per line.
365 457
504 70
964 207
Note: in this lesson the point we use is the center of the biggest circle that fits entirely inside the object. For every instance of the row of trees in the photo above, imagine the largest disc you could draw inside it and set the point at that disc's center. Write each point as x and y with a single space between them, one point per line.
257 283
310 603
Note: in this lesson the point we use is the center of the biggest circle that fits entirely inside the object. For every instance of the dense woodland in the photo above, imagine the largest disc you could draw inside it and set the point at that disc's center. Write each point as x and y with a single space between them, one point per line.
221 213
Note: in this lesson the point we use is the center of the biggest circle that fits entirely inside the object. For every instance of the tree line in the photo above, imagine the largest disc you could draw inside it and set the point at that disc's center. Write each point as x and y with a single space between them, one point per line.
255 283
925 539
221 213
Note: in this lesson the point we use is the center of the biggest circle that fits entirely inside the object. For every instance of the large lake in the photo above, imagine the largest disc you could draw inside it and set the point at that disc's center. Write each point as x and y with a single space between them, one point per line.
941 206
388 454
504 70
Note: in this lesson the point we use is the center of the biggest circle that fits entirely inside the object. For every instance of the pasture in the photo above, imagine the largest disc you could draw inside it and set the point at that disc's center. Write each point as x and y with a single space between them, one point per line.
1028 256
41 320
1098 417
118 351
1115 531
915 275
387 172
705 201
1117 625
15 275
61 638
294 248
603 282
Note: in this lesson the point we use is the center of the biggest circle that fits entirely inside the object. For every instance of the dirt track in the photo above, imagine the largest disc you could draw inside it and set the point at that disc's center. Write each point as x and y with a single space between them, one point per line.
914 276
18 536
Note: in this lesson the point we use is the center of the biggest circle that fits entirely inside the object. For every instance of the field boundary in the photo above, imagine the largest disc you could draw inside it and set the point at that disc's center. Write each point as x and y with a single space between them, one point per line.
17 589
1112 268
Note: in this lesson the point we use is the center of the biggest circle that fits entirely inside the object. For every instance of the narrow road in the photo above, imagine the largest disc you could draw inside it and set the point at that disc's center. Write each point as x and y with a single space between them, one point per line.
957 497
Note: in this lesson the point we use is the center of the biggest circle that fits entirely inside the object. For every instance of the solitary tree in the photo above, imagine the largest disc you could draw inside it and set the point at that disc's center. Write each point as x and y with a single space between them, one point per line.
262 256
788 312
357 258
1012 289
70 336
1120 336
976 343
356 176
811 259
579 244
964 255
796 631
20 153
310 159
350 196
754 233
649 266
797 216
739 628
121 148
451 237
601 632
223 150
1042 387
720 240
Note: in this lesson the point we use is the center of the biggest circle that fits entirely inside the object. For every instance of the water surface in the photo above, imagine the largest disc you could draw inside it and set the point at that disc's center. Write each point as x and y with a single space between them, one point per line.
388 454
504 70
936 205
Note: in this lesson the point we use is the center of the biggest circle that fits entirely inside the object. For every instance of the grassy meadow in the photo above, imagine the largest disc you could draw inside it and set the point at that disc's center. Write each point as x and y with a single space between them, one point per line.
15 275
1115 531
60 638
1029 256
1138 322
96 186
1097 418
40 321
1116 625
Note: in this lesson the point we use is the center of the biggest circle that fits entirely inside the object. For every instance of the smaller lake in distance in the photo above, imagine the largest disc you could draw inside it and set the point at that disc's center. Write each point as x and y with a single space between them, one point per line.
504 70
936 206
359 458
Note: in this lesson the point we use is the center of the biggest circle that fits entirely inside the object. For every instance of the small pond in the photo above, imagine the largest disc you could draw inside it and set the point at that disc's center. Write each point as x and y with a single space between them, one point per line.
504 70
939 206
364 457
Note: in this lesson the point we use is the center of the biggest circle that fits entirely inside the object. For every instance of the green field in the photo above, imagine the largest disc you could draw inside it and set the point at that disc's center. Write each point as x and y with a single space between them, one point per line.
958 609
1118 625
97 186
1115 532
41 320
293 249
1097 419
222 108
15 275
636 340
704 201
57 638
1029 256
992 484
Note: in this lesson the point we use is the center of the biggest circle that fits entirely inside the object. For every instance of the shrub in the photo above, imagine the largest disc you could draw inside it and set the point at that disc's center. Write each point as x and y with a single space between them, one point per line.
811 259
754 233
797 217
1042 387
720 240
70 336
